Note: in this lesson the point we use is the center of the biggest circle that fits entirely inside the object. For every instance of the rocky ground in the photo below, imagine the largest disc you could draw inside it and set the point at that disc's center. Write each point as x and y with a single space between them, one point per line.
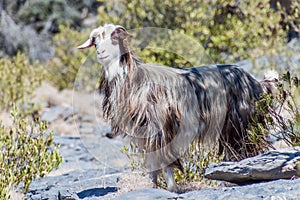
94 168
86 176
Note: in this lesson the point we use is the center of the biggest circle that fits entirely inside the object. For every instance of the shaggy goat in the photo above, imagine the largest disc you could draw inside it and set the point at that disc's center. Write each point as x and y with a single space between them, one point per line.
164 109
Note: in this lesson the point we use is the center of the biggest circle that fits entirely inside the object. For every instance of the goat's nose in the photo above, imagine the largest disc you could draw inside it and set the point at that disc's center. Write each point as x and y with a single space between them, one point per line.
99 51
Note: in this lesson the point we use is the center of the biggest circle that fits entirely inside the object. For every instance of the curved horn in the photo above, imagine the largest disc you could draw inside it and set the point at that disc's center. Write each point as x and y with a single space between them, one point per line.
86 44
118 26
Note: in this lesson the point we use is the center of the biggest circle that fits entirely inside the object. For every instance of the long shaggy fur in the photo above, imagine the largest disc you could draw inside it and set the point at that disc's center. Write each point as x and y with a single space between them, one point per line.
155 104
164 109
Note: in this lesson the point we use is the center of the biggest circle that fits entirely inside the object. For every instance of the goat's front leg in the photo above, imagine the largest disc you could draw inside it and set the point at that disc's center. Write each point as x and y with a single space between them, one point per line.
169 177
153 176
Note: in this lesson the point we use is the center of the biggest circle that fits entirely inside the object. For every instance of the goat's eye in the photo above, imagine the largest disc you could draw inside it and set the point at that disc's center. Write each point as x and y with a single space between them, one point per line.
114 39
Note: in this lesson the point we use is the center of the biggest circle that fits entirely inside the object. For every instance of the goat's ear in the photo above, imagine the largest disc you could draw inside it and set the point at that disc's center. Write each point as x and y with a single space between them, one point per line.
120 33
89 43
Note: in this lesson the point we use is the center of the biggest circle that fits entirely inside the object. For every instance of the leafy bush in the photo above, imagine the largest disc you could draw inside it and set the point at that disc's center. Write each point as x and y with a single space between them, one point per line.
26 152
63 69
286 114
241 29
39 13
18 80
227 29
26 149
282 113
162 14
196 160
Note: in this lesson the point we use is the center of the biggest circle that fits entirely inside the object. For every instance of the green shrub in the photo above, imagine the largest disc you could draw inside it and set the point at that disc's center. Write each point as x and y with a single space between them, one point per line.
194 163
18 80
26 149
26 152
63 69
175 15
39 13
282 113
196 160
226 29
238 29
133 154
287 115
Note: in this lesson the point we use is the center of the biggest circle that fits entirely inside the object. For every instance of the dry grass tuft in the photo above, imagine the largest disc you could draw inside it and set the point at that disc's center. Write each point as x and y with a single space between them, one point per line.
133 181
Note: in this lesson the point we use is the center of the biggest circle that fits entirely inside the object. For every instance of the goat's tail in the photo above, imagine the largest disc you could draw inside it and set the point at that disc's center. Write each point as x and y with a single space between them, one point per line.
269 82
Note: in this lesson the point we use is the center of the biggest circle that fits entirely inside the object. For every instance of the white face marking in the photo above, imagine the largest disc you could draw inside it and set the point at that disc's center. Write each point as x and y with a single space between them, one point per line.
107 52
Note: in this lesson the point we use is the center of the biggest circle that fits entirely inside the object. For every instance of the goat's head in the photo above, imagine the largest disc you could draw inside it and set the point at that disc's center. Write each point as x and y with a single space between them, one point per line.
110 42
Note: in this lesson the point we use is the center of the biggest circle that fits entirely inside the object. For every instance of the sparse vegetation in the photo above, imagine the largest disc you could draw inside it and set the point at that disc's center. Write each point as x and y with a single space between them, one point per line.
26 149
26 152
228 30
18 78
63 69
282 113
195 161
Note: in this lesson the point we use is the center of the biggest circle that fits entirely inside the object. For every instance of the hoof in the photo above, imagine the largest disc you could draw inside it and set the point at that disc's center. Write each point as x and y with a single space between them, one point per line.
175 189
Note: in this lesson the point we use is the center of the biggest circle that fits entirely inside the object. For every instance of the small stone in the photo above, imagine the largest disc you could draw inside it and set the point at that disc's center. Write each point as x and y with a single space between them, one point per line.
87 118
102 130
66 195
68 112
71 119
86 128
52 114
